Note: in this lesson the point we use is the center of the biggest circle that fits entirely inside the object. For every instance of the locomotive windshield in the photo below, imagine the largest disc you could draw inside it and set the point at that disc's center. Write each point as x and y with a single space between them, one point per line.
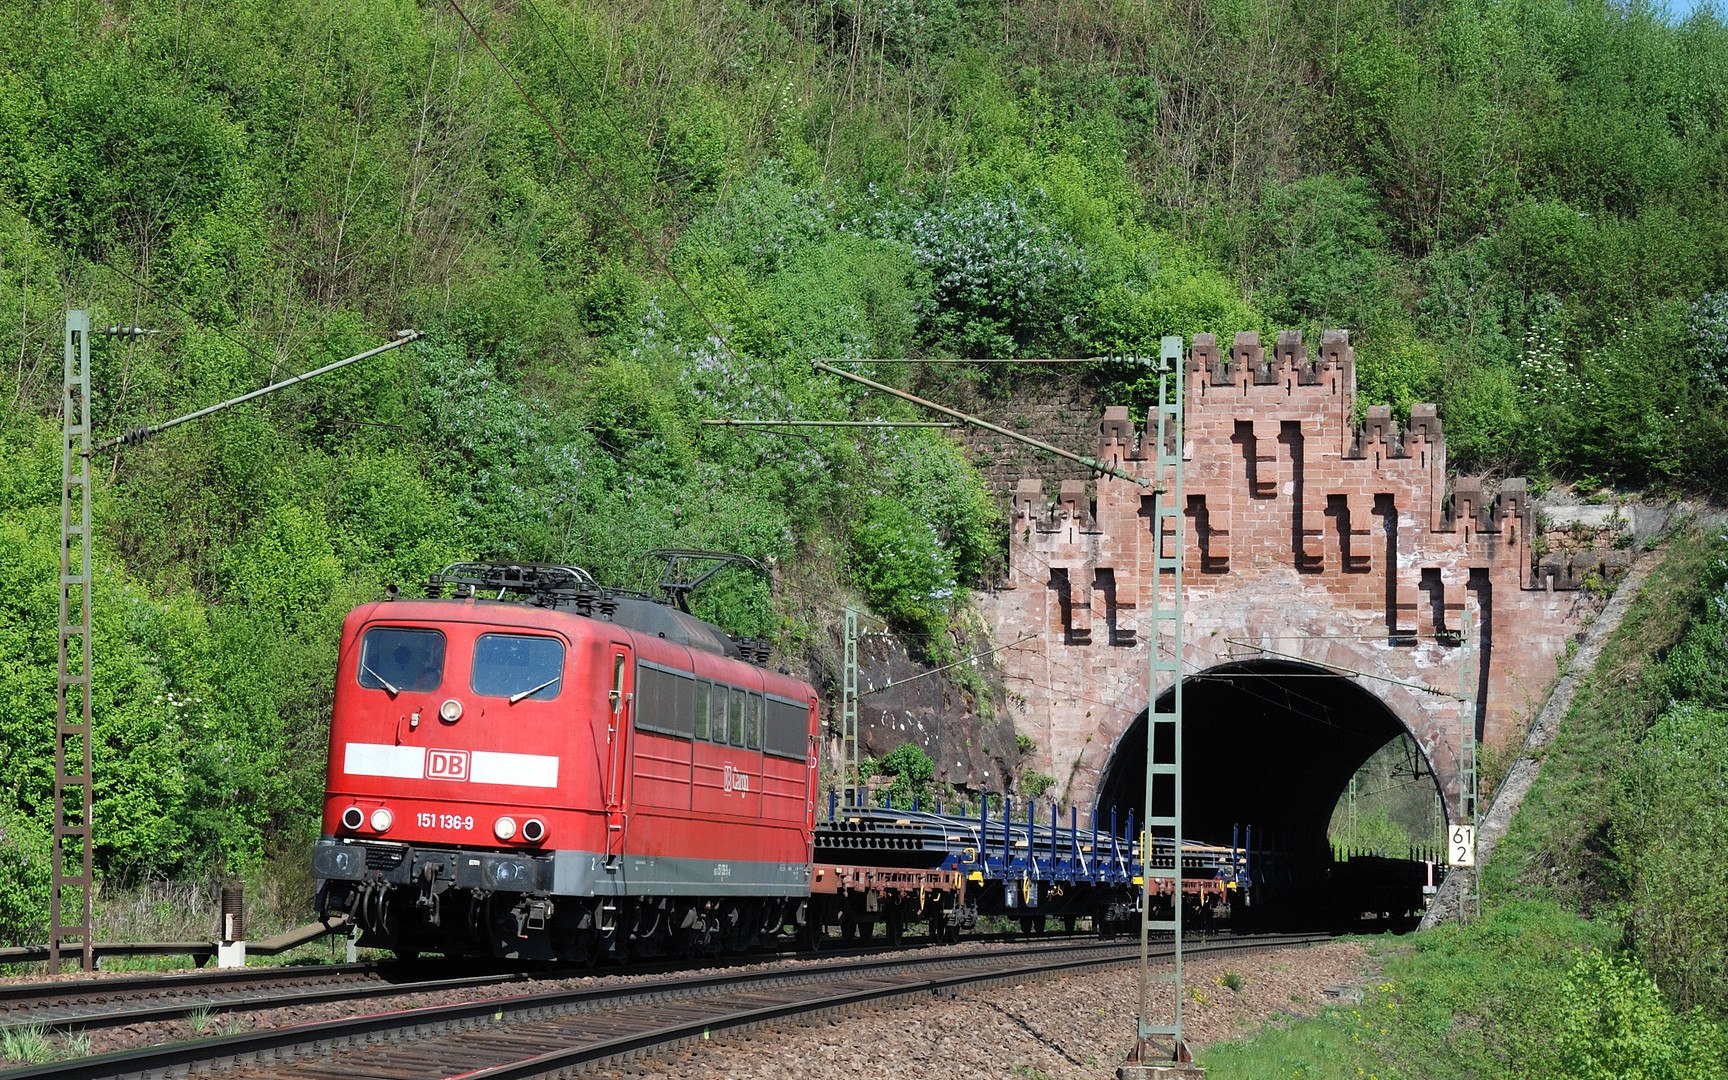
396 658
518 667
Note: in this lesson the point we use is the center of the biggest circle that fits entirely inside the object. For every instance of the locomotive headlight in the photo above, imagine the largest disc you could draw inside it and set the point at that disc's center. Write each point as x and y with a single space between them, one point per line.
381 820
450 711
504 828
353 818
533 830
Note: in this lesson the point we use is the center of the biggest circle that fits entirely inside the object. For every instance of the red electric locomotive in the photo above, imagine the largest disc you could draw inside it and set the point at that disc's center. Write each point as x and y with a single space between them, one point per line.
563 775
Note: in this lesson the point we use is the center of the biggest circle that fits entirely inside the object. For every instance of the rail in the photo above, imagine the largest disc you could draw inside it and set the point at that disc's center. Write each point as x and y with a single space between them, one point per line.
728 1001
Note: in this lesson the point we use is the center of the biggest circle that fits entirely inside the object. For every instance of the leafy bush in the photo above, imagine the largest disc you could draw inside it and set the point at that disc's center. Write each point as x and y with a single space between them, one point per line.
900 564
1034 784
770 219
909 765
1323 245
1374 831
25 870
1614 1025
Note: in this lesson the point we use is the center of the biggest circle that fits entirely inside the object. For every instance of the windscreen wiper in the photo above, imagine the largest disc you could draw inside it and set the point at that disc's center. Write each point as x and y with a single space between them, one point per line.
514 698
393 691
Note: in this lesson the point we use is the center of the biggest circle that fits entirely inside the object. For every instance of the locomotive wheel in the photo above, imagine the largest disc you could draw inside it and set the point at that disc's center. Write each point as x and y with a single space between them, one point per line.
810 935
406 955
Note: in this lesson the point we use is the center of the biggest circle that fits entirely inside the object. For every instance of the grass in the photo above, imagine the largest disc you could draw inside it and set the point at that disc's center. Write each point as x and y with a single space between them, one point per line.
28 1045
34 1045
1454 1004
278 900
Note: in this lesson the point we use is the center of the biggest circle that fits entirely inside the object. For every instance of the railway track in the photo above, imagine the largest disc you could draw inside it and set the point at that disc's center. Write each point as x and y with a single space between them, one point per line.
117 1002
86 1004
508 1038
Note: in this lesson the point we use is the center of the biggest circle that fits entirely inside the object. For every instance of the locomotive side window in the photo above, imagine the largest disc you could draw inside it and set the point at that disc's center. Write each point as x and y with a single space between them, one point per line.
518 667
685 705
735 718
788 729
717 714
700 727
395 658
753 721
665 701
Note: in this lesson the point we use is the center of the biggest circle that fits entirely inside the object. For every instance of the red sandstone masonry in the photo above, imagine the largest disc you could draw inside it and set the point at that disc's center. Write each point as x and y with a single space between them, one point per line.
1306 535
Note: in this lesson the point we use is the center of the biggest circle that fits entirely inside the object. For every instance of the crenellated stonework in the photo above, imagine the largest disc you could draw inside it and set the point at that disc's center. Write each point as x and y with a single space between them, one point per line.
1307 536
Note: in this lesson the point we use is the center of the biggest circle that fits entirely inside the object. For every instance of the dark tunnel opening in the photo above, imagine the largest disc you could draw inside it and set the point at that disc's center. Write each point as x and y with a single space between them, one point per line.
1269 744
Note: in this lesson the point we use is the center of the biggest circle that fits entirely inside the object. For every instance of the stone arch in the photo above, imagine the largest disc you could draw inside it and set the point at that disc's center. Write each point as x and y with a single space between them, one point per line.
1267 742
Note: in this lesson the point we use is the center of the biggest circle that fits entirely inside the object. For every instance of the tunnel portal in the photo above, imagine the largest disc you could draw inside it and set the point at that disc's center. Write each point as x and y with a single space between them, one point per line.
1270 744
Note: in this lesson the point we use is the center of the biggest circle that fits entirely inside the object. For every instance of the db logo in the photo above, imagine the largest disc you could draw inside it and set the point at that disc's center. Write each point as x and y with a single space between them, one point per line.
446 764
736 781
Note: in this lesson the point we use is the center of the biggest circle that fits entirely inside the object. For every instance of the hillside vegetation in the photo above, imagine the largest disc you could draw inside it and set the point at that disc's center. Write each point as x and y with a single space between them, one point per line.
1516 207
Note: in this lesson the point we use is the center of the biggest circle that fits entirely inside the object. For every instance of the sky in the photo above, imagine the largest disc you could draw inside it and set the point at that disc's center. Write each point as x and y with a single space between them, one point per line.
1679 9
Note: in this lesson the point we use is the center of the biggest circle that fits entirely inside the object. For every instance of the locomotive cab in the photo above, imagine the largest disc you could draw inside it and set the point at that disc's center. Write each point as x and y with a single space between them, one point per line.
536 778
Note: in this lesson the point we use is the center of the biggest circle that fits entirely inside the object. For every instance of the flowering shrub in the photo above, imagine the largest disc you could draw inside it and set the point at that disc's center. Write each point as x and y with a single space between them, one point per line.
1707 326
506 473
770 218
1001 281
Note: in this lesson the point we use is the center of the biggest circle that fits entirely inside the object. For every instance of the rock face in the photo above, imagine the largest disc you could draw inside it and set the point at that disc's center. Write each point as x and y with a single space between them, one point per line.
962 723
1307 537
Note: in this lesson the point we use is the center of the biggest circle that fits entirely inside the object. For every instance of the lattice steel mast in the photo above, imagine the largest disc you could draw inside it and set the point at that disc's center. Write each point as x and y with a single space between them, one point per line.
1163 803
72 882
1468 808
71 872
849 780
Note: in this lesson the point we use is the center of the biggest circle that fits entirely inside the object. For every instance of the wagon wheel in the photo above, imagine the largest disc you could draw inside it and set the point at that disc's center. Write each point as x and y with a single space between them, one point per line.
938 923
896 928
